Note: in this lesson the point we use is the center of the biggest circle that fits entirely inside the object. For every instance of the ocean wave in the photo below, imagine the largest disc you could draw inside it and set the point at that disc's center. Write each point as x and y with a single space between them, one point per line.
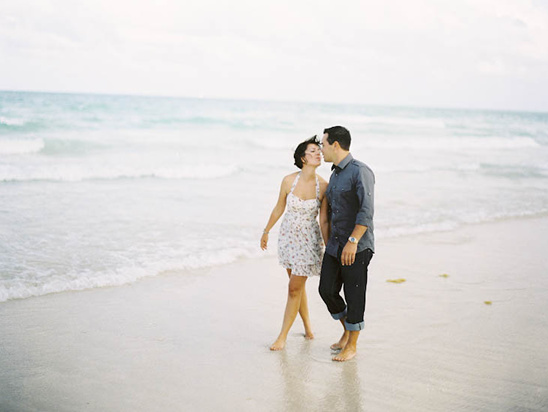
399 231
514 171
11 121
47 146
25 288
53 147
80 173
17 125
387 231
449 143
273 144
12 146
233 122
394 121
501 170
175 120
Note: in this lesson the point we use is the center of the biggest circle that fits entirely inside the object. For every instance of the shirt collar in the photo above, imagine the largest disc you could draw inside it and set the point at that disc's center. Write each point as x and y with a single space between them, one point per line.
343 163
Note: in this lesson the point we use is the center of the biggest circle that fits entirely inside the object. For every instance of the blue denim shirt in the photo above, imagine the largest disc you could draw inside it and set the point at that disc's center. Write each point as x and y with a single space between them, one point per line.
350 195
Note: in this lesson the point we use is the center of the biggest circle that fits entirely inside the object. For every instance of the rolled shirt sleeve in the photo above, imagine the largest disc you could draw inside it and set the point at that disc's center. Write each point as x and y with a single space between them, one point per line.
365 190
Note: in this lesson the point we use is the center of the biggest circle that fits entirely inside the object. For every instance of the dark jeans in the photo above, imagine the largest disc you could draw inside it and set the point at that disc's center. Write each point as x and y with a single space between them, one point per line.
354 278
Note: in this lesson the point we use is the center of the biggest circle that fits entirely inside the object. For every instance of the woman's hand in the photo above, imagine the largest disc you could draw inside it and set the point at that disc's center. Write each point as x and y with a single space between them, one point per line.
264 241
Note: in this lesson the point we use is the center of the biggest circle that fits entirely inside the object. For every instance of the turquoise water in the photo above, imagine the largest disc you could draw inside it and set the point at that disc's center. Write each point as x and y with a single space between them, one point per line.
100 190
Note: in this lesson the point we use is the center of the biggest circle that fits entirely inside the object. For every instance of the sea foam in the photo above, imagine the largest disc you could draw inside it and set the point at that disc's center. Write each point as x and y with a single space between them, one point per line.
77 173
11 121
12 146
24 287
440 143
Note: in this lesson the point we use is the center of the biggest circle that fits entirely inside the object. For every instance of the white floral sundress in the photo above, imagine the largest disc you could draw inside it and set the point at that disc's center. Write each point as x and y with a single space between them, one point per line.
300 243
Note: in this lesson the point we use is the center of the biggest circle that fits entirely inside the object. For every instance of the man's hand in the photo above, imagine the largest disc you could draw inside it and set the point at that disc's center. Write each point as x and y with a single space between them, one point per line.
349 254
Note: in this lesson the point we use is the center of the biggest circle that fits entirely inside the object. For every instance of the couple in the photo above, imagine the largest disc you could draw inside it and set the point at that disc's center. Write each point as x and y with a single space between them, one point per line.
346 225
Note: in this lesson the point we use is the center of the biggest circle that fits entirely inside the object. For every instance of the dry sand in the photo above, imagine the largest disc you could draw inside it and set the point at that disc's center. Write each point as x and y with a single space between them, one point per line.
198 341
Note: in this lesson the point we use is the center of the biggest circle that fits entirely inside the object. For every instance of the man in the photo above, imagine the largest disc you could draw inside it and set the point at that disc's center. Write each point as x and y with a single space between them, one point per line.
350 245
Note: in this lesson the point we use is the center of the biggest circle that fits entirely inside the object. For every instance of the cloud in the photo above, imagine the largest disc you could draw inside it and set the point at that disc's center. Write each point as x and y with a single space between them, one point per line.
425 52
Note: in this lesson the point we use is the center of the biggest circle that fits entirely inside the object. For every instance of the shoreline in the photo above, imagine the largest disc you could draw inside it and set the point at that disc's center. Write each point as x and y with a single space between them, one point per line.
199 339
189 272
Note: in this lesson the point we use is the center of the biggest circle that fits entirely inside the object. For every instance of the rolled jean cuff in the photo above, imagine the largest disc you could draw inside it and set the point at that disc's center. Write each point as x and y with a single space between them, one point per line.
339 316
354 326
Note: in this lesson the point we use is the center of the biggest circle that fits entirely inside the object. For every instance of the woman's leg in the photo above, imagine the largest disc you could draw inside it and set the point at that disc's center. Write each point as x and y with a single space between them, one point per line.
303 311
294 297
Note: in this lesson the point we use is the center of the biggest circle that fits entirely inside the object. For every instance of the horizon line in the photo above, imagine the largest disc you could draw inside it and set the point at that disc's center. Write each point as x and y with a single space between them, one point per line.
247 99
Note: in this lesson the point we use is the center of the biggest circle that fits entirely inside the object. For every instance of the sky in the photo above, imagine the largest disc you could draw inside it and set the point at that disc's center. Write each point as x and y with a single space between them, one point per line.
489 54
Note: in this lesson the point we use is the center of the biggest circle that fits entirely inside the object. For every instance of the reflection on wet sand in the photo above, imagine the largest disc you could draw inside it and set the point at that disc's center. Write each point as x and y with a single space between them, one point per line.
312 381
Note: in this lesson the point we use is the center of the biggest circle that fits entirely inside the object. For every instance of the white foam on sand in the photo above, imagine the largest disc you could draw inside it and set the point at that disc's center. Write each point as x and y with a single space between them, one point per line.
199 340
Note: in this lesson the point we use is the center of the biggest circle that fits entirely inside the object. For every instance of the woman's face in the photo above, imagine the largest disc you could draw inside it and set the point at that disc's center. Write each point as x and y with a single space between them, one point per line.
313 155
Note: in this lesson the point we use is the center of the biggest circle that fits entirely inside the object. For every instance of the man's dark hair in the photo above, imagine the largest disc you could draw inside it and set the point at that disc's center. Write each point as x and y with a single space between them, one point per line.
301 148
338 134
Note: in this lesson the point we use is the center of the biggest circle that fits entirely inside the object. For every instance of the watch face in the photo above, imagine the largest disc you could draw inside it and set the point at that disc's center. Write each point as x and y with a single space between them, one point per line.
353 240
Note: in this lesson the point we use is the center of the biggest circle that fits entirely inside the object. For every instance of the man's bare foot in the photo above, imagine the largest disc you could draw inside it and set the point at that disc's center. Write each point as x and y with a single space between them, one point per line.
346 354
342 342
278 345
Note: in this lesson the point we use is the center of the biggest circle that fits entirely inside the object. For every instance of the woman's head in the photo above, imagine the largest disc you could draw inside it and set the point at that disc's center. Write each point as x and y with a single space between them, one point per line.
308 152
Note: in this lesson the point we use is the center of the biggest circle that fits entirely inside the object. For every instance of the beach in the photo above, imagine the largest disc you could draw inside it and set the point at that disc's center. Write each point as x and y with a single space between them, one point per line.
145 155
473 339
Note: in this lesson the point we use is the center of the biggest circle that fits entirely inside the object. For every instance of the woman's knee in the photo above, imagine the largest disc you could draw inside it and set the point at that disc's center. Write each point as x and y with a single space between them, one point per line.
296 287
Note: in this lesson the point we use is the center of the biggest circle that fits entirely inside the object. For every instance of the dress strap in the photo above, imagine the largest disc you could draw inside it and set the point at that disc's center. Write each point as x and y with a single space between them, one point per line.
317 188
295 183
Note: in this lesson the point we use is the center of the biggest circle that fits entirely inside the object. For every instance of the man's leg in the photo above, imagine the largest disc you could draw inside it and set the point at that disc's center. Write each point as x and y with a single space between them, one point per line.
330 287
355 285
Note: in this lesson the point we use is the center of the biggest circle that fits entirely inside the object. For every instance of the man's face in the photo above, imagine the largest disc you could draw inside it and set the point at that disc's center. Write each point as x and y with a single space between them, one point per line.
327 149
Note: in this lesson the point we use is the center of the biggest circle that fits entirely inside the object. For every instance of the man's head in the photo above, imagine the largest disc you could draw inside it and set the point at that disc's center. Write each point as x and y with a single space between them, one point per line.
335 143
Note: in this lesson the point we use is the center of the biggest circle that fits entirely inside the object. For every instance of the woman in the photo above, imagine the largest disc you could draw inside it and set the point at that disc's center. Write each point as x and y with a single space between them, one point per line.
300 245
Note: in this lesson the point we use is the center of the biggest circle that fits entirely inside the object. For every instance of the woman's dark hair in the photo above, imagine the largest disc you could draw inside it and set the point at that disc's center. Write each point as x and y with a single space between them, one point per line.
338 134
301 148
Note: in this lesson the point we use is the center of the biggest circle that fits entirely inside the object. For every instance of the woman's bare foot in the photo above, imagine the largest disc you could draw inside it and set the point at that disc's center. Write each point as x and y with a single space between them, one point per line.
346 354
342 341
308 335
278 345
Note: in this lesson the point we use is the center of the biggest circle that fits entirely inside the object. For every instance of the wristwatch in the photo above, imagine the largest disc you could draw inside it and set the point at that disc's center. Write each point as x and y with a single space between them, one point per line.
352 239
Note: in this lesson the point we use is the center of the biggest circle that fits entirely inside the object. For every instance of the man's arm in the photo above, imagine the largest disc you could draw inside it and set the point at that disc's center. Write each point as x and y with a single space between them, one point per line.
365 185
349 252
365 190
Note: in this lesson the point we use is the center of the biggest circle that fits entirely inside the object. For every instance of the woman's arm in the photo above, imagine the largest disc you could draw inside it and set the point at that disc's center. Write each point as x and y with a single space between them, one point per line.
277 212
324 220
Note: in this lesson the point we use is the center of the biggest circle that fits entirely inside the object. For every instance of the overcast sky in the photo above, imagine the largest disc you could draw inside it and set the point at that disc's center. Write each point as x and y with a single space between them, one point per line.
463 53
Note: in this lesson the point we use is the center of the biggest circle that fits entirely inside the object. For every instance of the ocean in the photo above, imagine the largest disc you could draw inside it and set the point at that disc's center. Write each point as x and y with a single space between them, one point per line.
101 190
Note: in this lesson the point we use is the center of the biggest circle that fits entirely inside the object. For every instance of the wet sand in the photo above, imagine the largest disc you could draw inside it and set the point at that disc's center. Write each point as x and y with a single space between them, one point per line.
199 340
